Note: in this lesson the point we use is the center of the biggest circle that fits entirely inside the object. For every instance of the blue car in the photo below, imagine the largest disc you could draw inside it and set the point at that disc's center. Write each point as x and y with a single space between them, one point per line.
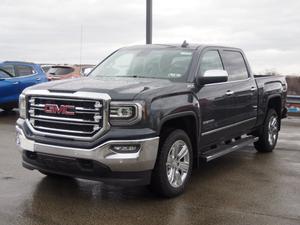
14 78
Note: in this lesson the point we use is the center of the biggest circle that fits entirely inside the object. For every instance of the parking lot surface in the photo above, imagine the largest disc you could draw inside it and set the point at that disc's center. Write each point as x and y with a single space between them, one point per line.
243 187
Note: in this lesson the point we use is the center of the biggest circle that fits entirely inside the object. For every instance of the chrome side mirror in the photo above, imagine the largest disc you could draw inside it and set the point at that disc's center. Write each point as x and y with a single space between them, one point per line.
212 76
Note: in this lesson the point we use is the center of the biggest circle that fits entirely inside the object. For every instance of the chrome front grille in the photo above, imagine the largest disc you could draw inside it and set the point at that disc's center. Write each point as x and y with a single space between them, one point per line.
67 116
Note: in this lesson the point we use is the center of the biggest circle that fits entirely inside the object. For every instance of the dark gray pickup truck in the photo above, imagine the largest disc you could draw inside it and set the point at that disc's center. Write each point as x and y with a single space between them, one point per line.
149 114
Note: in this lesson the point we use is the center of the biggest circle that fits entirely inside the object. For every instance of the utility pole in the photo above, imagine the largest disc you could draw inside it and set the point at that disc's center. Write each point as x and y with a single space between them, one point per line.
149 22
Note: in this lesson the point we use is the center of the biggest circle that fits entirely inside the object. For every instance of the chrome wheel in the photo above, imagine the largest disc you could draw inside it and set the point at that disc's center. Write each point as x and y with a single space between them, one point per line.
178 163
272 130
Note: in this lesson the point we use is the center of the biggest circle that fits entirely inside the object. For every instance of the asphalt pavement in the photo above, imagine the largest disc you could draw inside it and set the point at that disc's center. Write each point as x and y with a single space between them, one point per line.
243 187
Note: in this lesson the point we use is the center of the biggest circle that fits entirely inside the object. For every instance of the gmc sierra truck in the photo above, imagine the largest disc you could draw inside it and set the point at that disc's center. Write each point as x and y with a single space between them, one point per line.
147 115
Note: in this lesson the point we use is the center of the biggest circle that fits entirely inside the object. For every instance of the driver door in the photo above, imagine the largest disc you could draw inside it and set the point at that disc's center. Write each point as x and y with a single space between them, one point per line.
215 103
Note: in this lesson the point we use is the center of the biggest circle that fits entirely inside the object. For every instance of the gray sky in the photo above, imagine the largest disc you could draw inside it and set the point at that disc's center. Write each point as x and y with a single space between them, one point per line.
49 30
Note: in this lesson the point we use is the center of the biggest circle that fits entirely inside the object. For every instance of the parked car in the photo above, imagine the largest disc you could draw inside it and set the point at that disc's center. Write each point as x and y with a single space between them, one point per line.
60 72
46 67
149 115
14 78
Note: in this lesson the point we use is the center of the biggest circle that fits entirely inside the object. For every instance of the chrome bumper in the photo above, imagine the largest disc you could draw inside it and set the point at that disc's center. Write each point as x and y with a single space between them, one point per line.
142 160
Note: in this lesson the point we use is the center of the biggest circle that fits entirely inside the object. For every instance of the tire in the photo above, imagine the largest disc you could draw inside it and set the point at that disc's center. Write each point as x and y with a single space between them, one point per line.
172 172
8 108
269 133
52 175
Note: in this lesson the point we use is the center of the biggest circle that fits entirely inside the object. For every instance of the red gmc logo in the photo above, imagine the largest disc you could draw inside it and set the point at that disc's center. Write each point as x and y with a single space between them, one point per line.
63 109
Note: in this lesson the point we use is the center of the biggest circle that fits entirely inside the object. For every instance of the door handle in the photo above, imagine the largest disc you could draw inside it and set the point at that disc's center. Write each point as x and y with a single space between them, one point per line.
38 78
228 93
17 82
252 89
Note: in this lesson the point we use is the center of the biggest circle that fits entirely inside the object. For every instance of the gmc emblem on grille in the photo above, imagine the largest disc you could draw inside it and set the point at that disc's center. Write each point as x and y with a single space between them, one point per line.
63 109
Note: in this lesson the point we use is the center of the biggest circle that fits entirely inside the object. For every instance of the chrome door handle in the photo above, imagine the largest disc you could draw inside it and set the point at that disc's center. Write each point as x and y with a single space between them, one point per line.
252 89
229 93
38 78
16 82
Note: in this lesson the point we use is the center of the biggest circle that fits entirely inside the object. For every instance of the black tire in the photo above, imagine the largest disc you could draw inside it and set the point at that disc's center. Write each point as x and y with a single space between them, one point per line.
265 142
53 175
8 108
160 182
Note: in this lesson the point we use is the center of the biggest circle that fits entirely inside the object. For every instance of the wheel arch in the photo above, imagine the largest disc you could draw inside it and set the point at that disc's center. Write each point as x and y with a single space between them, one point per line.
188 122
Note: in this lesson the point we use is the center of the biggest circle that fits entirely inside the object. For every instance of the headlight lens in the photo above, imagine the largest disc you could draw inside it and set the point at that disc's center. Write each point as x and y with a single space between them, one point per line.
125 113
22 106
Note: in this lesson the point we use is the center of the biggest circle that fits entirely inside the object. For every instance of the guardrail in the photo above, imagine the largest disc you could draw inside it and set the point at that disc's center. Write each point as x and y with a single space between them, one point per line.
293 103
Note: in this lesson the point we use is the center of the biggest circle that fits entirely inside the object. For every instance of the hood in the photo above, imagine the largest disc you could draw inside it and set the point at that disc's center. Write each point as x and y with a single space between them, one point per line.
117 87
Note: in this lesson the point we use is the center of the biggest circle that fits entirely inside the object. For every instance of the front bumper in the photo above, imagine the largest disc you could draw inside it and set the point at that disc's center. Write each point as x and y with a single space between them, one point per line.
99 157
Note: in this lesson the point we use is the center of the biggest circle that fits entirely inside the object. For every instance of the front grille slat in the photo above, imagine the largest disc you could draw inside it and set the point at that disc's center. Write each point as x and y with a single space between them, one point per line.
84 119
64 119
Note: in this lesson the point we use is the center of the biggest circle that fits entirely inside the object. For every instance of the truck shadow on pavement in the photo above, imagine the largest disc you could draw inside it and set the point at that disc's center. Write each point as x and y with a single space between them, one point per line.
77 200
8 117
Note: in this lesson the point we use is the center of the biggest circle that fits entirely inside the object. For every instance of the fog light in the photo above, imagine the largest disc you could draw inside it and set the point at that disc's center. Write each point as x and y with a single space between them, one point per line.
125 148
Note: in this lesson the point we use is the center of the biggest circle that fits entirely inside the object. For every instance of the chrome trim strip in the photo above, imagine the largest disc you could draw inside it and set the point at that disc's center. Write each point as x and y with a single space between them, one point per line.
64 99
62 130
228 126
37 117
79 94
62 122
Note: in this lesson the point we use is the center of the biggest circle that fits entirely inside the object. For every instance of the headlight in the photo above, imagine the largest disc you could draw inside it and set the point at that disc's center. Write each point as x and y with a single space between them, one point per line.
22 106
125 113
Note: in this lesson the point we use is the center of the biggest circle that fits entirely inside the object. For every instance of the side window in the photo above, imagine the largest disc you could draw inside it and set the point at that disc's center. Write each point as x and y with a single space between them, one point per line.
235 65
23 70
211 60
3 74
8 68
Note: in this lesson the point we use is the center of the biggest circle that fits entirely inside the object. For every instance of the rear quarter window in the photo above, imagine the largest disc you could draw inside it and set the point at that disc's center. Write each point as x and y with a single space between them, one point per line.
235 65
24 70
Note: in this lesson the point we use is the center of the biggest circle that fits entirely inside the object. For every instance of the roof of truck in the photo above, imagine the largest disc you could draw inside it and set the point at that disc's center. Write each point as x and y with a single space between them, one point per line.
187 46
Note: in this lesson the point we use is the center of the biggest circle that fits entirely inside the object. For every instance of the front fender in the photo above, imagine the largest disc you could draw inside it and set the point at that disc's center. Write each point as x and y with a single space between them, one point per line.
173 106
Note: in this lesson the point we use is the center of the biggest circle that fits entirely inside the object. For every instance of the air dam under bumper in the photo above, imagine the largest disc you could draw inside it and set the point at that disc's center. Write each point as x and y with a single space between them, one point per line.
100 163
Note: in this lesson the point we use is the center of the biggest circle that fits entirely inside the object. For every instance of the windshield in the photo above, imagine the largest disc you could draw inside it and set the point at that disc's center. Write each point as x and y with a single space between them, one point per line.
172 64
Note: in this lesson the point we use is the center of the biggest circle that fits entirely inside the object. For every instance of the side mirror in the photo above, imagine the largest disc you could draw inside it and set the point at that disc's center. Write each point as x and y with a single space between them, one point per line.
212 76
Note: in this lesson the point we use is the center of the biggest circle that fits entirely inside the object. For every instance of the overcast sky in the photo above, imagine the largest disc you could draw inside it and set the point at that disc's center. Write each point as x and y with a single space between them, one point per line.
50 30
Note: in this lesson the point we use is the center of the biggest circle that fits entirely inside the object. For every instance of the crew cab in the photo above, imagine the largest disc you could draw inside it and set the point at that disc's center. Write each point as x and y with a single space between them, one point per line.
148 115
14 78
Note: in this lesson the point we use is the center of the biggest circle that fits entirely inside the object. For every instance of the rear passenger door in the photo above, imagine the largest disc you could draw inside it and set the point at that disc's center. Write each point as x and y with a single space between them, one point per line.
242 92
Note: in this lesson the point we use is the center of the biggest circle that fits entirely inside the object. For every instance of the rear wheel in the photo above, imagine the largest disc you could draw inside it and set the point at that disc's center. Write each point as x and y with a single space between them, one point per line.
174 165
269 133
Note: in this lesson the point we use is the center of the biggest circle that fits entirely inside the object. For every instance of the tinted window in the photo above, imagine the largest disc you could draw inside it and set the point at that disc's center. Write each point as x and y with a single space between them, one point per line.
55 70
4 75
235 65
23 70
211 60
9 69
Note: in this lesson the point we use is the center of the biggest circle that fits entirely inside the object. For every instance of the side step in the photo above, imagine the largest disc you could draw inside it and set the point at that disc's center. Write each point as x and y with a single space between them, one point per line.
224 149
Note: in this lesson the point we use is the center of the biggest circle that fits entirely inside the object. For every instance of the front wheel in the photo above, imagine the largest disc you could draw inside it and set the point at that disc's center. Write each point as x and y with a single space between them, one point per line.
174 164
269 133
8 108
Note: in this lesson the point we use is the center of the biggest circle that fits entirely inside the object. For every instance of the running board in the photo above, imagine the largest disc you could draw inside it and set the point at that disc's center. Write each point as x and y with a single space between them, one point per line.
224 149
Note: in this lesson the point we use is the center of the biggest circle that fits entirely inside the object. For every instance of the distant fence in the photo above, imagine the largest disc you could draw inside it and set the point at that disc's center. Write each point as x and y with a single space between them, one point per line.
293 104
